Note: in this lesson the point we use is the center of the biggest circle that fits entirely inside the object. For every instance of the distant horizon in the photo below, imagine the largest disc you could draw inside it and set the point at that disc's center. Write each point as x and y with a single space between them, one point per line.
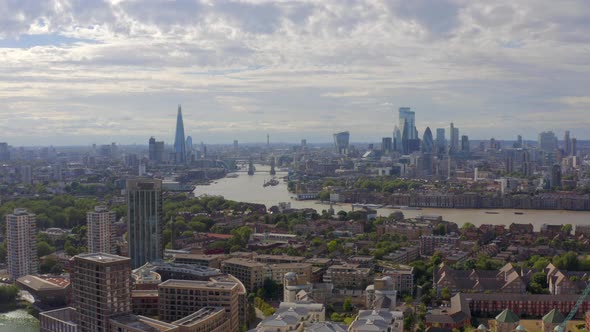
111 70
260 143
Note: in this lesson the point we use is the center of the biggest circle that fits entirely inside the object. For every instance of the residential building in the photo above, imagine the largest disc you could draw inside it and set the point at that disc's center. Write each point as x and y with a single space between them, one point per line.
349 276
180 298
144 220
101 231
101 289
292 316
378 320
382 294
429 243
456 316
402 276
59 320
250 273
21 244
213 261
403 255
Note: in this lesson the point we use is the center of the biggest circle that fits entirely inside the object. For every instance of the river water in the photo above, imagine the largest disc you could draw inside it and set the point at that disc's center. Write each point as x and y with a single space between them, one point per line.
249 188
18 320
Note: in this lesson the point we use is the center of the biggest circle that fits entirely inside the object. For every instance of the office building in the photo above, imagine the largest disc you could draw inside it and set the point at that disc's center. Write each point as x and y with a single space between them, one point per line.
101 231
21 244
567 143
341 141
4 152
386 144
179 140
547 141
101 290
156 150
574 146
454 146
465 144
427 141
441 141
407 121
181 298
144 220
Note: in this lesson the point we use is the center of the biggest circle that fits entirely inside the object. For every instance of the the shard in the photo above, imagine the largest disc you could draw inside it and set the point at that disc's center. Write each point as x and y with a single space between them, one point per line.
179 141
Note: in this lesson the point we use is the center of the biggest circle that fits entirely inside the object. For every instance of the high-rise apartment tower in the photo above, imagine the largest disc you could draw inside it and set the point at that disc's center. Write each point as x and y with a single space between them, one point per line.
144 220
21 244
101 232
101 290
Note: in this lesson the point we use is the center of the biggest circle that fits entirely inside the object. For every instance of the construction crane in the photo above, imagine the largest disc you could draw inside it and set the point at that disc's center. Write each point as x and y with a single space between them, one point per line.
561 327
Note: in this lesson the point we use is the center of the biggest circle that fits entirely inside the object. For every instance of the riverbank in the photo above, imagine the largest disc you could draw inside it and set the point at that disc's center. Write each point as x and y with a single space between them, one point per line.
249 188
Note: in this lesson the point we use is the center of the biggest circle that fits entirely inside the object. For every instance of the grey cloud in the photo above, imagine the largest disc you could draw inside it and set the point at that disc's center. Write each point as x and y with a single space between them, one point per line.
439 17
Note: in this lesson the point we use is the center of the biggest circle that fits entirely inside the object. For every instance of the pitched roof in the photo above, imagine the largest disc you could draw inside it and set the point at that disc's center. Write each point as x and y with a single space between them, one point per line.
553 317
507 316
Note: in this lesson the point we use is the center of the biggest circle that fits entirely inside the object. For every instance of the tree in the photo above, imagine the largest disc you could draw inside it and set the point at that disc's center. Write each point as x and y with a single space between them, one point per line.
445 293
566 229
347 305
324 195
44 249
332 246
567 261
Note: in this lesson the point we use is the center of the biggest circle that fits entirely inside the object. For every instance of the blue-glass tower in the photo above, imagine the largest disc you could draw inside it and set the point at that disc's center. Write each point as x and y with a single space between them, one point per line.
179 142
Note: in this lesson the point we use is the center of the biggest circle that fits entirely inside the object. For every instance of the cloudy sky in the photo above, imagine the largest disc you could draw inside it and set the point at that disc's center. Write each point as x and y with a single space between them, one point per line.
78 72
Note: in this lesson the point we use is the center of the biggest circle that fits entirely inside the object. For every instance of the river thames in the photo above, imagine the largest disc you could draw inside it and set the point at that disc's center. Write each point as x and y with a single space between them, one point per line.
249 188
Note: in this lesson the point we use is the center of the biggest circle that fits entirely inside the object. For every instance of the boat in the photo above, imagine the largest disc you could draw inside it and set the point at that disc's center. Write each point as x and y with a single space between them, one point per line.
492 212
271 182
519 213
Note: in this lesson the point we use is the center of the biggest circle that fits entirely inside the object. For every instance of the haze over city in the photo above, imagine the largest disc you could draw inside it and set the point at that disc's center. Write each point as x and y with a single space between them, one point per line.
96 72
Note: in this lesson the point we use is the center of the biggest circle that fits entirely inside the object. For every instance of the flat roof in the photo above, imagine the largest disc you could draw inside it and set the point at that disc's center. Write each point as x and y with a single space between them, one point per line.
40 283
198 284
244 262
101 257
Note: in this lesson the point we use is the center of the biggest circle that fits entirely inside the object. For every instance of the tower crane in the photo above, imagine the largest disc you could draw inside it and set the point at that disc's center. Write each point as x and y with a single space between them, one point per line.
561 327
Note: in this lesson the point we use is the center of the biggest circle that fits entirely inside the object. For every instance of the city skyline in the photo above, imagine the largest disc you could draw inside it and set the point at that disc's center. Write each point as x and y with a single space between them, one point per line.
112 71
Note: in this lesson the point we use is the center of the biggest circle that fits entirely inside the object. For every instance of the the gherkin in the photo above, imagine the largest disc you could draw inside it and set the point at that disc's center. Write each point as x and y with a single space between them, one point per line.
179 141
427 141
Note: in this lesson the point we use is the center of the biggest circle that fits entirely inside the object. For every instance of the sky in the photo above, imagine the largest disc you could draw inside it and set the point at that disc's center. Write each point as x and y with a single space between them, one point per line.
83 72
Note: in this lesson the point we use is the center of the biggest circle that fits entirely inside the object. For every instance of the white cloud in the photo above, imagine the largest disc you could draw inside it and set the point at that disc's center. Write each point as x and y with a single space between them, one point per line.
309 67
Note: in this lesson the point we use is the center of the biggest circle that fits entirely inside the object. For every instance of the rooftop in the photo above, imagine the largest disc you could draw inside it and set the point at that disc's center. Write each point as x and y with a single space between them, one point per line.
198 316
101 257
173 283
40 283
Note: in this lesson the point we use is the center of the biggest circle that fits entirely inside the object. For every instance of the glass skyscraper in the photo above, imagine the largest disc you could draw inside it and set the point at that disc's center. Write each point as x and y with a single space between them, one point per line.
144 220
179 140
